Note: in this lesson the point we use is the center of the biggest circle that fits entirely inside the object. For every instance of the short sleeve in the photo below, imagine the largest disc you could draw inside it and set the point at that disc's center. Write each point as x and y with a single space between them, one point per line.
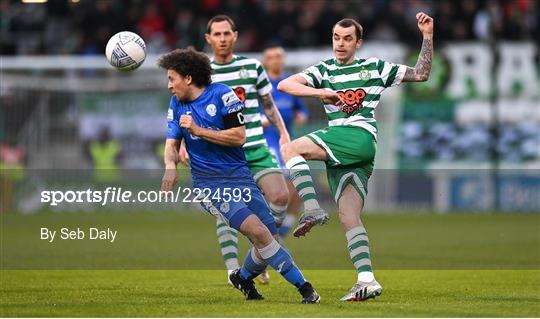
230 102
173 124
391 74
263 83
313 75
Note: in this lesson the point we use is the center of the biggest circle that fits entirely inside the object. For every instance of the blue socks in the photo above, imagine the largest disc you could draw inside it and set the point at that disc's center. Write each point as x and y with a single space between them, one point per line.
253 265
277 257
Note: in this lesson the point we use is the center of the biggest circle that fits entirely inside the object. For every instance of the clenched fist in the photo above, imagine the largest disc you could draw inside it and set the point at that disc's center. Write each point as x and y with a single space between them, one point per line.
425 23
331 97
187 122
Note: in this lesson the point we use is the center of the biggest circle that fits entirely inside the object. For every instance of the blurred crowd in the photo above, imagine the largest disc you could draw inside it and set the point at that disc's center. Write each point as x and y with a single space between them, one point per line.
449 141
84 26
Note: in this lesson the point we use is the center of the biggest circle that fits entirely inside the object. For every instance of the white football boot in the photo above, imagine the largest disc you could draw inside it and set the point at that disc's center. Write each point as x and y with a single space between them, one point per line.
363 290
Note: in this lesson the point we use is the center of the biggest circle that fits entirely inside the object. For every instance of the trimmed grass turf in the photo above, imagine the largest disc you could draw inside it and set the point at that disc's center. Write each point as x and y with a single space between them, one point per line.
429 265
172 240
204 293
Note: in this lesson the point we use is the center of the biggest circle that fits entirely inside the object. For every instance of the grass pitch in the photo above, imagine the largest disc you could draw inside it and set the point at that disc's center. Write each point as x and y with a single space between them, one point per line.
204 293
168 264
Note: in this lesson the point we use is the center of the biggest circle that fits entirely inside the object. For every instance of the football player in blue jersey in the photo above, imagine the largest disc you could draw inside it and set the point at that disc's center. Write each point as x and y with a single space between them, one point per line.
294 113
208 117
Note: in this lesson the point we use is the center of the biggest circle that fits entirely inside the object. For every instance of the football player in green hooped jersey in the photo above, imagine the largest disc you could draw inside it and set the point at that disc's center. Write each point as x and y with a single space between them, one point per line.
349 88
249 81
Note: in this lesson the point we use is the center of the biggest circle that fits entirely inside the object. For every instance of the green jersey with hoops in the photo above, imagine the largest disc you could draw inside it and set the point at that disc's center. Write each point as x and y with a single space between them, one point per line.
248 80
360 83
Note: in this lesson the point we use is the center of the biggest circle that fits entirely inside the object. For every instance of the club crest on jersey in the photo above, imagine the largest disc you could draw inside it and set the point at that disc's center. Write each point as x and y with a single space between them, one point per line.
224 207
332 79
244 74
364 74
211 109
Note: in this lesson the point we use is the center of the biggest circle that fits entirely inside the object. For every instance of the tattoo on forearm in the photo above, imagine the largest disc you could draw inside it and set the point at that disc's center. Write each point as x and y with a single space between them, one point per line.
271 112
423 65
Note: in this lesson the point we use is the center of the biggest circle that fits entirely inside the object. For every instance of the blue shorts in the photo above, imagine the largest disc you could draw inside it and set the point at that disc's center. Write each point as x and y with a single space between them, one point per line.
235 209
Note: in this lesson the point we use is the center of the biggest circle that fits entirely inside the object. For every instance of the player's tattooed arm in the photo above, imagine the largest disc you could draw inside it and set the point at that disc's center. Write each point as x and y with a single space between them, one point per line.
422 69
274 117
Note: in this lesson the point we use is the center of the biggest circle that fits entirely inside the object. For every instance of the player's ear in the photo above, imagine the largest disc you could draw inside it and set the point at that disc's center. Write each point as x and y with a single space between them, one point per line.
189 79
359 43
235 36
207 38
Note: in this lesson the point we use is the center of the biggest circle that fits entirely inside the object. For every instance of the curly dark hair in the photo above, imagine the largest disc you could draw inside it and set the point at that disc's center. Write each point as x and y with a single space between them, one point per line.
188 62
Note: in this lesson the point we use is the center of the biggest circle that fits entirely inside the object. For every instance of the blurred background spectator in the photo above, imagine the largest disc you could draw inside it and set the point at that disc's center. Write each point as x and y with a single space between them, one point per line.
83 27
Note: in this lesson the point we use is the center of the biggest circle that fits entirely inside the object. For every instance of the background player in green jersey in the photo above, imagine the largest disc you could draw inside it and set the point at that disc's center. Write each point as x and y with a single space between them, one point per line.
248 79
350 89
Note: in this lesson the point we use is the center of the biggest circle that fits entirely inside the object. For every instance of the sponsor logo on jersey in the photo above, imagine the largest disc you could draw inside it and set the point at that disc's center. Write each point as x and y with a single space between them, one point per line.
170 115
240 93
211 109
231 98
353 100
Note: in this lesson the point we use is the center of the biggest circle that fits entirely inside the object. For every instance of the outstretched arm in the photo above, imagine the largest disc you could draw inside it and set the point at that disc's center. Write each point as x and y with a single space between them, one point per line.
296 85
421 70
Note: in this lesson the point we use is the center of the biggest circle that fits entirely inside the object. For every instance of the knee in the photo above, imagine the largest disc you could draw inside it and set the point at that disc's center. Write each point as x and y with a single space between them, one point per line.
349 219
259 234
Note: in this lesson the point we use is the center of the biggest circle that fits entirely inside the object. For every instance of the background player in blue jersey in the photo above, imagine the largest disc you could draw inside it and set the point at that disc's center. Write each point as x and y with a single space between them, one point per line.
208 117
294 112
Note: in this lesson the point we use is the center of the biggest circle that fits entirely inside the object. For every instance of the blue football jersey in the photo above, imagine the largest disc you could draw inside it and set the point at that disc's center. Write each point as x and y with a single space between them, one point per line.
210 163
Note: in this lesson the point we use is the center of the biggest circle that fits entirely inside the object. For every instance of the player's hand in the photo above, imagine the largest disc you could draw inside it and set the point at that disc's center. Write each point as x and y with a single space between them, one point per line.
169 179
183 155
284 138
331 97
187 122
425 23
